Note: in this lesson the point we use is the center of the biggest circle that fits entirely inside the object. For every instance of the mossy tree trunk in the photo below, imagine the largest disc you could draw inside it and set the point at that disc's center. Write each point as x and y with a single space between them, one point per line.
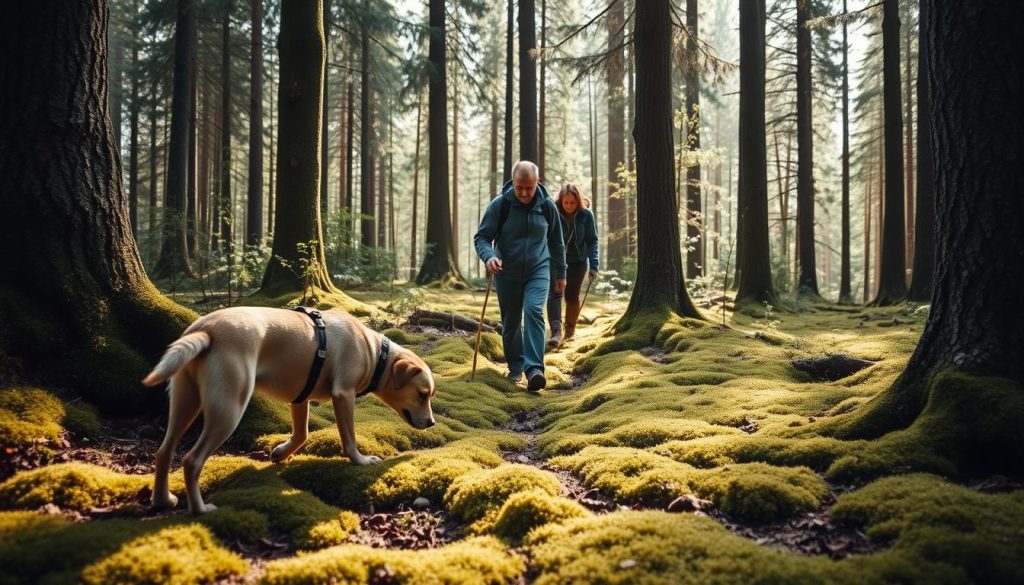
77 307
365 145
976 323
845 290
297 222
174 259
807 282
892 285
659 282
439 261
754 271
924 239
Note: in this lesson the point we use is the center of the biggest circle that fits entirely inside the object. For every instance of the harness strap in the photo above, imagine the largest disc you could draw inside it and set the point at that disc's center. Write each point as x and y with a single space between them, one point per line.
321 352
378 372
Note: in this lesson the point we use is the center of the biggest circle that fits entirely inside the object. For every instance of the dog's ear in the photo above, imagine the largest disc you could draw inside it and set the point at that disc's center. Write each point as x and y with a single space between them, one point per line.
403 371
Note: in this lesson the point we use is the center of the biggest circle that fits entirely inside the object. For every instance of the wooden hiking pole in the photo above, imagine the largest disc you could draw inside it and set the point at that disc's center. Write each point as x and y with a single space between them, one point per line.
480 326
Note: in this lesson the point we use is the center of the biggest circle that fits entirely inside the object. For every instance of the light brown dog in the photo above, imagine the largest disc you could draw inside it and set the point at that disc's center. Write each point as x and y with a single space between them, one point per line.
223 357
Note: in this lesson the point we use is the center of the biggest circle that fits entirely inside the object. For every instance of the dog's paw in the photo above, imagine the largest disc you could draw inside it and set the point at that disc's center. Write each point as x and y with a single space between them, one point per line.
366 460
203 509
167 502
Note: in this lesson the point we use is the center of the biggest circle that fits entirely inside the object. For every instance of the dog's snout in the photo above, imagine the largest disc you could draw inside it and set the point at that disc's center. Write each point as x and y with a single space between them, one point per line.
431 422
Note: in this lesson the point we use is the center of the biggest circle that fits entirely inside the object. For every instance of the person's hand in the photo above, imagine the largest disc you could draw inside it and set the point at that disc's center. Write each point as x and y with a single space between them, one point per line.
560 285
494 265
593 275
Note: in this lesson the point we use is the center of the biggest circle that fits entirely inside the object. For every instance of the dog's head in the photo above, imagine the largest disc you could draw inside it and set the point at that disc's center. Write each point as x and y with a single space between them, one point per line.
409 390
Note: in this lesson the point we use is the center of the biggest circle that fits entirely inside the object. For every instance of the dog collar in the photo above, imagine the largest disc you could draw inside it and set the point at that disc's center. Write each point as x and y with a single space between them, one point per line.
382 362
321 352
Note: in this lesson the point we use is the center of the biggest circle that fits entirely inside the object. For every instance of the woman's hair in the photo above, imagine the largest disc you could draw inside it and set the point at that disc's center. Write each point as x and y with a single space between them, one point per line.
573 191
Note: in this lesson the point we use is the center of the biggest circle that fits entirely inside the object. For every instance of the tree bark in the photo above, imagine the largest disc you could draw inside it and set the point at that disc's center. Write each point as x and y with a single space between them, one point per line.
325 118
694 216
527 81
227 211
349 141
416 189
892 285
659 283
455 169
254 209
174 258
509 98
302 52
192 227
365 147
77 307
755 273
845 288
924 244
807 282
153 156
133 140
542 116
615 214
975 325
439 261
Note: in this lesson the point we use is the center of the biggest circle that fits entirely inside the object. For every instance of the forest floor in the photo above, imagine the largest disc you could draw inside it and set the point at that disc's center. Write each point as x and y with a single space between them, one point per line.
699 453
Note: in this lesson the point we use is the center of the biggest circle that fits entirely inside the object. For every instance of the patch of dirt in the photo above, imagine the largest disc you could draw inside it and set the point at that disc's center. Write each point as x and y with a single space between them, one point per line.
656 354
407 528
748 425
578 380
995 484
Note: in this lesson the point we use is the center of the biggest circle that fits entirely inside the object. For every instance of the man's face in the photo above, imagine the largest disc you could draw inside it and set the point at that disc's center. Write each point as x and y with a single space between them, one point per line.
525 186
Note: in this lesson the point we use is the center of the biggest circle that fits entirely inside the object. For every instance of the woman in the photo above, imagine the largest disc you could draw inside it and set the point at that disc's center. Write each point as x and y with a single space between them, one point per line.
579 231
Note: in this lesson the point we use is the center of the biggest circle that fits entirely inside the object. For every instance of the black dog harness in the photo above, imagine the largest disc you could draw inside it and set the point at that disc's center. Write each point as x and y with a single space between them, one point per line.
321 355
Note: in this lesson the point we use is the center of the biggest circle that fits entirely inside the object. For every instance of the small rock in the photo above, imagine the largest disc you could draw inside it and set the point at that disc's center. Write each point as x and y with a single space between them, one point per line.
688 503
627 564
420 503
522 458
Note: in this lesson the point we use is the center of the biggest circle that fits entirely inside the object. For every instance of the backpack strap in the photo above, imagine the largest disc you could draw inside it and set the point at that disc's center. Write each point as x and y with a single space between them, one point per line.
506 207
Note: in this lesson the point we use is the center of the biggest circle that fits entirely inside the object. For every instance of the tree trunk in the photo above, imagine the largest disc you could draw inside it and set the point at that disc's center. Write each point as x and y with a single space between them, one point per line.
892 285
455 171
924 244
133 141
325 118
301 48
349 141
975 326
191 197
509 99
694 217
527 81
416 189
867 233
174 258
659 282
755 278
908 118
227 211
342 152
807 282
592 130
492 179
845 290
615 214
254 209
77 307
365 147
439 261
541 162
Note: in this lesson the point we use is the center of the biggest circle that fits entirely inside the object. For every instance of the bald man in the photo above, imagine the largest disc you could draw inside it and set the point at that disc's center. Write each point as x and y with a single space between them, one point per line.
520 241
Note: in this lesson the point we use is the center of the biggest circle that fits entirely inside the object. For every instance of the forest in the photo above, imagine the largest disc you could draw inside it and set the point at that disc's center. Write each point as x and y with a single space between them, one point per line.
786 234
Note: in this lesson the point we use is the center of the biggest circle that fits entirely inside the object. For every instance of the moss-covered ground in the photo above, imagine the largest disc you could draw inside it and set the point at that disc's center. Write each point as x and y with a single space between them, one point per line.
652 457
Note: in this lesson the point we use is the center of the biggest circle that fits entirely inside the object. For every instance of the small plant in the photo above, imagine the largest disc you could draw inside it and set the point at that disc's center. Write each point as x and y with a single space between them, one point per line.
306 267
407 302
769 323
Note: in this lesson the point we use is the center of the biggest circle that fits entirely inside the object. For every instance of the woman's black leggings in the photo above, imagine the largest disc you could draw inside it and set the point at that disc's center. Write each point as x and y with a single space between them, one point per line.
574 281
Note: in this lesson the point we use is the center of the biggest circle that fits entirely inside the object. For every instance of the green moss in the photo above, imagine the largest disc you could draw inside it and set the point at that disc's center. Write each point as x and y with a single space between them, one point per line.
178 555
714 451
475 560
403 337
478 496
942 523
27 414
231 525
76 486
524 511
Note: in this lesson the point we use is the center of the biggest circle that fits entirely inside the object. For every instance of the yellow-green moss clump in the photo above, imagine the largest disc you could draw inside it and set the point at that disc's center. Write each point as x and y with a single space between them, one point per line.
474 560
714 451
524 511
76 486
982 535
28 414
181 555
477 497
753 492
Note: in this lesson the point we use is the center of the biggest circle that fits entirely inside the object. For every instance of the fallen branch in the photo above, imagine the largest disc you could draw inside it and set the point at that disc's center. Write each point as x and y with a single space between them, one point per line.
452 320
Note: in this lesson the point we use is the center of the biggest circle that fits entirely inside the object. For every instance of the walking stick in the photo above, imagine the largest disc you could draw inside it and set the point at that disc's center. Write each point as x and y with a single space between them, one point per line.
480 326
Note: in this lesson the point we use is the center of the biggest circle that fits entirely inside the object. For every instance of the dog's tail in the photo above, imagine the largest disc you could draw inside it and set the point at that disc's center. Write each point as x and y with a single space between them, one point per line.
177 355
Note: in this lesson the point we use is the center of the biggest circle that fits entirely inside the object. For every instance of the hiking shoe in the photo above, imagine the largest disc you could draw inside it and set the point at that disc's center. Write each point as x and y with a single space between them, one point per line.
514 378
537 381
555 339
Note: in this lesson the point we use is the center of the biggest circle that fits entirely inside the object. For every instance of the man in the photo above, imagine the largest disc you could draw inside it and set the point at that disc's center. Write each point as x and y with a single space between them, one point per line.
527 251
